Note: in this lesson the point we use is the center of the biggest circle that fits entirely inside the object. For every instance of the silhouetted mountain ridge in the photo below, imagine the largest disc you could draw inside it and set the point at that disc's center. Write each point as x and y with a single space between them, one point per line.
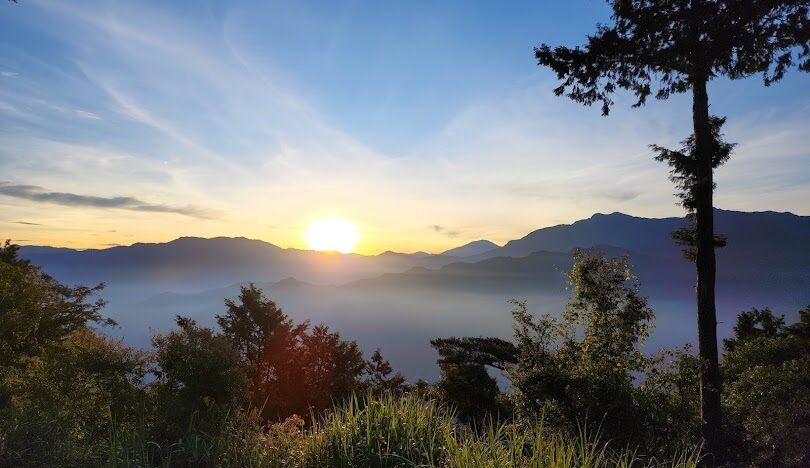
767 241
198 261
472 248
538 271
765 233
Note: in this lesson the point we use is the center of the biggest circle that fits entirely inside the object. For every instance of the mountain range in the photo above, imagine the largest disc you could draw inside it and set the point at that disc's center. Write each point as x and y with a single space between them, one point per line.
756 241
399 301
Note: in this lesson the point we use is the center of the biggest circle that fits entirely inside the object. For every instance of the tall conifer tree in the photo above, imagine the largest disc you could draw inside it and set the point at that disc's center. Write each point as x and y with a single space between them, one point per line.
661 47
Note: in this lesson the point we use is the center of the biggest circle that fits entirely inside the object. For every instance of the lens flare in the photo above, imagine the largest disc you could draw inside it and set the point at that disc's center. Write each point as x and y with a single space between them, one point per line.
336 235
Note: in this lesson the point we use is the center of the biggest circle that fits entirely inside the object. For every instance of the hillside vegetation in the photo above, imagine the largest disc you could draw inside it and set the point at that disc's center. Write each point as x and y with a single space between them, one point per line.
263 390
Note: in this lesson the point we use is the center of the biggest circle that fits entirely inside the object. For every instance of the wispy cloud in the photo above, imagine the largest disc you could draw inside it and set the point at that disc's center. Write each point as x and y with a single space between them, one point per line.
25 222
618 195
39 194
443 230
86 115
8 74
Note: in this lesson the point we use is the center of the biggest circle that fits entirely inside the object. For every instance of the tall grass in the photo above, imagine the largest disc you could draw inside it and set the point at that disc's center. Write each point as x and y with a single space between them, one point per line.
411 432
385 432
374 433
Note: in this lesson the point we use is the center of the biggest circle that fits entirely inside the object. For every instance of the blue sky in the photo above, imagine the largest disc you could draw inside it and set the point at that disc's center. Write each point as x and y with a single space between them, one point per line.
144 121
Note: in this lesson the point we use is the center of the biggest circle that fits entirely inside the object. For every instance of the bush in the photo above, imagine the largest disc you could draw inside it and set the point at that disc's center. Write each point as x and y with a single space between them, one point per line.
66 401
199 376
767 390
581 367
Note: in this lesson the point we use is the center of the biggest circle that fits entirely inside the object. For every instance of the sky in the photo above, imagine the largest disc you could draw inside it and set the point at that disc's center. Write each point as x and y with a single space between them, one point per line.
427 124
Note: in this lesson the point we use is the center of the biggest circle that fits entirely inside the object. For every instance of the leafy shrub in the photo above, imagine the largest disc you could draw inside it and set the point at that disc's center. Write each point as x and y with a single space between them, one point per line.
67 400
581 367
199 375
767 390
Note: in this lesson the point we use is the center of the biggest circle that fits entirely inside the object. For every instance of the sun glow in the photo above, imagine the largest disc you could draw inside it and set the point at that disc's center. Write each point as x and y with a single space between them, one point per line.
336 235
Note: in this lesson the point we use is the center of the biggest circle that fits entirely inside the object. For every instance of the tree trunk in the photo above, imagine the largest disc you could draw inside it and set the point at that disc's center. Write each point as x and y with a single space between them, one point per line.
710 384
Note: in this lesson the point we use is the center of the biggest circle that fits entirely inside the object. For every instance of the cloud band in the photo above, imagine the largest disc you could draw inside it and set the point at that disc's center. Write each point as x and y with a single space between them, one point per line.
39 194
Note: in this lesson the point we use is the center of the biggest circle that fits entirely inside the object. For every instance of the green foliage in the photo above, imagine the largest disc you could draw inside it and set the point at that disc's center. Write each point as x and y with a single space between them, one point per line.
411 432
292 368
465 382
767 389
683 173
579 368
669 399
37 311
252 324
672 44
753 324
471 391
616 319
314 370
679 46
381 433
380 377
67 400
199 372
238 440
60 382
491 352
75 397
683 162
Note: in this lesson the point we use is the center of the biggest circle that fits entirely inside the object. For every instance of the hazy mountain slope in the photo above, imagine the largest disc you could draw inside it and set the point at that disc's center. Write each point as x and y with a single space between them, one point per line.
538 271
760 233
765 249
473 248
191 262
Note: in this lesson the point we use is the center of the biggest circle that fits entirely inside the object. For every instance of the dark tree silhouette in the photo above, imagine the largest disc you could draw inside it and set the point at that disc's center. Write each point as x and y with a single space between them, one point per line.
380 376
311 370
252 323
199 372
292 368
465 382
485 351
683 173
678 46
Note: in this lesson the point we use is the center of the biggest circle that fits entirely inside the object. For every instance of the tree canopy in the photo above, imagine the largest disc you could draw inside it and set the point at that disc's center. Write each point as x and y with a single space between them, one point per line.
661 47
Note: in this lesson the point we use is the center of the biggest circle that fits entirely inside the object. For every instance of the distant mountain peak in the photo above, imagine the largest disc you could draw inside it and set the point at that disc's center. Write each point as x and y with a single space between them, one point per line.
614 218
196 241
290 282
472 248
615 214
747 231
391 253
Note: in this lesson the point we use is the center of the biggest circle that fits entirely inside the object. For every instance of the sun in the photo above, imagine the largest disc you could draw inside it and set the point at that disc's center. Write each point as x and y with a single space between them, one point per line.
336 235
